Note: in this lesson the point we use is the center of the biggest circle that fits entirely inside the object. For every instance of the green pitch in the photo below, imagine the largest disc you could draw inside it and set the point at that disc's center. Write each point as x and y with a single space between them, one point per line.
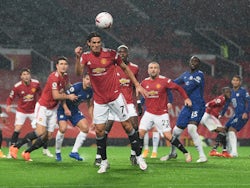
46 172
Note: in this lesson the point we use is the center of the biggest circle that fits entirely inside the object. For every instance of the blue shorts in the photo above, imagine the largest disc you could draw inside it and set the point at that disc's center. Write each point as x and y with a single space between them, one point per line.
188 114
236 122
75 117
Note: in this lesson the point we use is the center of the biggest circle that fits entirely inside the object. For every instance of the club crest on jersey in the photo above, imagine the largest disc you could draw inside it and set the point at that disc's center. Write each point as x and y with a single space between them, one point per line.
33 90
103 61
158 86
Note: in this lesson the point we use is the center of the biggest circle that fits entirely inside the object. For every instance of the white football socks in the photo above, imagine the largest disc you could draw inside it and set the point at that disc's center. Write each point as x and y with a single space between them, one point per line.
155 140
192 130
145 141
233 143
81 137
176 133
59 141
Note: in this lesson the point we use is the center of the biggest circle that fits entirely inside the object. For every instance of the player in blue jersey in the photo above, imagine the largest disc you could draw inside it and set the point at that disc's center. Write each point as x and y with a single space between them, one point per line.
193 83
240 100
69 111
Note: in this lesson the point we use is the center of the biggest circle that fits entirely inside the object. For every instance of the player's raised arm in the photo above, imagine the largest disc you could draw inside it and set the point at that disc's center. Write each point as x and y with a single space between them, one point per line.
78 65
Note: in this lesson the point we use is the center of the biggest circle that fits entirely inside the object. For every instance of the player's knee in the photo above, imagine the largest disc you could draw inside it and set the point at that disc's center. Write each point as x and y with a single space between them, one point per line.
192 128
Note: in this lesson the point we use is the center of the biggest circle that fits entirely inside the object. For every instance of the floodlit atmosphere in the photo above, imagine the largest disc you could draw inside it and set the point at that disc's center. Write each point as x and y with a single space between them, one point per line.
119 93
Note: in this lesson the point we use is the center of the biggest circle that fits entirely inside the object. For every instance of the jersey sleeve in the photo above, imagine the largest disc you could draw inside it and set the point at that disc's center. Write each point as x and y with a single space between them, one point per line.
11 96
170 96
172 85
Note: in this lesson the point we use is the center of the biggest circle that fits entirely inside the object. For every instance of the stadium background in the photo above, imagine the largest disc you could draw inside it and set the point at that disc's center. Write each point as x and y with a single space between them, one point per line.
34 33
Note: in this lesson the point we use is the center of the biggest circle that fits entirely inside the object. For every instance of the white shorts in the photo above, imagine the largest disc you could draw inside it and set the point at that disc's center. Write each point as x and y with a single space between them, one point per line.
131 112
46 117
118 107
161 122
21 117
210 121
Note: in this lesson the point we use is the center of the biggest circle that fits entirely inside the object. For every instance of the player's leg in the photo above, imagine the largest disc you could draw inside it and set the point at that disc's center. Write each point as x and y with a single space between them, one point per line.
163 125
60 137
173 154
42 136
101 112
81 137
45 126
120 108
19 121
134 120
109 125
145 145
195 118
1 140
175 142
155 141
192 130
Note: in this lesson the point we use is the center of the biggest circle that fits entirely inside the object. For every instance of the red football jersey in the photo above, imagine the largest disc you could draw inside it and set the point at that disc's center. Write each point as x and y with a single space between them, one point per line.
156 101
102 72
54 81
27 95
125 82
215 106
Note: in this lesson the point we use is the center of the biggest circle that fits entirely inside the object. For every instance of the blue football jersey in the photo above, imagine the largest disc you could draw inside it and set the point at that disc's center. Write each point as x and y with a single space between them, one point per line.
240 100
82 94
193 84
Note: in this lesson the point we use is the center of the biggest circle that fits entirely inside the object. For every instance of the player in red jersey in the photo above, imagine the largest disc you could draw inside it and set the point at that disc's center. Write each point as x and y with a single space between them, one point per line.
27 91
101 64
156 113
46 109
128 91
215 109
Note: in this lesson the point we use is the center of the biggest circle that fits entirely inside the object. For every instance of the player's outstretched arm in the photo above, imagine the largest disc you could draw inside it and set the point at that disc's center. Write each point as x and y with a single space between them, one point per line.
78 66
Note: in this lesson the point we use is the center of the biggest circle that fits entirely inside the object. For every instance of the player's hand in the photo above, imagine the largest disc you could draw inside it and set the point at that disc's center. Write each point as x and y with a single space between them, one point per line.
141 90
67 112
188 102
244 116
72 97
78 51
8 108
170 106
219 116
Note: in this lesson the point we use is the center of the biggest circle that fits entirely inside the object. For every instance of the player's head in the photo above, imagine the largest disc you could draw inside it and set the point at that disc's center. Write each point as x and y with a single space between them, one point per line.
62 64
86 81
226 91
153 69
194 63
123 52
25 75
236 81
94 42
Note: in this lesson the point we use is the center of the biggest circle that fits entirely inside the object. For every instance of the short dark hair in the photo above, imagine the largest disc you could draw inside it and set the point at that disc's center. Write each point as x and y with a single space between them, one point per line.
93 34
85 74
25 70
62 58
195 57
238 76
225 88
